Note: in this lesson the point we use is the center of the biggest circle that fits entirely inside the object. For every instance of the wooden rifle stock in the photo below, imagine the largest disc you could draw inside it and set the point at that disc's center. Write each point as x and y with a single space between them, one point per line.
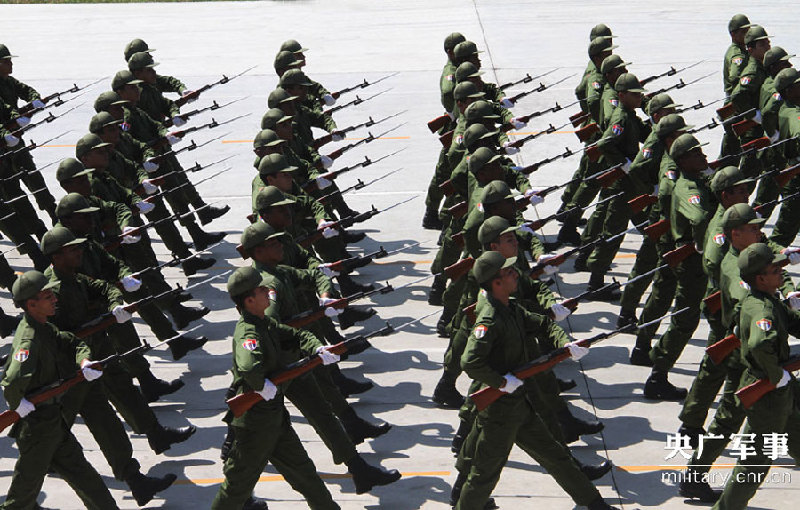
447 138
438 123
458 239
470 313
458 210
786 175
578 118
713 302
609 177
459 269
593 152
641 202
743 126
676 256
657 229
751 393
587 131
726 111
447 187
721 349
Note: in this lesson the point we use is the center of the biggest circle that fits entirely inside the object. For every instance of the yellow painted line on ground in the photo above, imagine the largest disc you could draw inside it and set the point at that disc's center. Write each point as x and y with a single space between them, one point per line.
379 138
324 476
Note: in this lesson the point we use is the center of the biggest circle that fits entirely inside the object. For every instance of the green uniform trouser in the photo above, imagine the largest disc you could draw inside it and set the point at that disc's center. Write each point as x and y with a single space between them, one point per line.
45 442
586 190
452 299
689 293
646 260
767 191
449 251
613 219
571 188
440 174
594 226
708 381
330 250
15 229
124 338
306 394
788 224
458 342
7 274
775 413
26 216
499 427
90 401
167 230
658 302
128 400
730 143
276 442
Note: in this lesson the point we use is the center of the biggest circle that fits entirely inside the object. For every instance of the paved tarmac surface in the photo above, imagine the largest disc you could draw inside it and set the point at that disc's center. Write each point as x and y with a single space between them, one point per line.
349 41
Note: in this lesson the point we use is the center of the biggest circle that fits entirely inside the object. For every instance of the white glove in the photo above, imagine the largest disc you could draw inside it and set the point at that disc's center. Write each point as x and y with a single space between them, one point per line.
510 149
186 93
150 166
336 137
329 232
512 383
543 260
576 351
130 284
327 356
24 408
130 238
507 103
329 310
269 390
172 139
533 198
775 136
329 100
121 314
327 271
323 183
11 140
89 373
23 121
37 103
550 270
149 187
560 312
784 380
518 124
178 121
525 228
794 301
792 255
326 161
757 116
708 172
144 207
517 168
626 167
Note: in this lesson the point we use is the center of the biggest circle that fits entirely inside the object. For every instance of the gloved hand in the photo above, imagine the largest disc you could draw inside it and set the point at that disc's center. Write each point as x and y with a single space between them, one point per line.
510 149
172 139
37 103
450 114
576 351
525 228
533 198
149 187
329 310
517 168
774 137
560 312
326 162
757 117
329 100
327 356
178 121
794 301
548 269
11 140
89 373
127 237
186 93
518 124
23 121
512 383
329 232
144 207
327 271
784 380
150 166
269 390
506 103
792 255
130 284
121 314
336 136
626 167
323 183
24 408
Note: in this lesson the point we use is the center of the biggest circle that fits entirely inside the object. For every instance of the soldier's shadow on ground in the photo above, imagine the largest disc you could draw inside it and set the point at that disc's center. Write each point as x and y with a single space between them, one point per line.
412 492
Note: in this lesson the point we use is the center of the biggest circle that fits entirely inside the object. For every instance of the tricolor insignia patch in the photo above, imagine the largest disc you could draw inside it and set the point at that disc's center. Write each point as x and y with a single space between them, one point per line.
449 77
764 324
480 331
479 206
647 153
596 85
614 102
777 96
21 355
672 175
738 61
745 80
250 344
743 284
273 295
617 129
694 199
719 239
459 140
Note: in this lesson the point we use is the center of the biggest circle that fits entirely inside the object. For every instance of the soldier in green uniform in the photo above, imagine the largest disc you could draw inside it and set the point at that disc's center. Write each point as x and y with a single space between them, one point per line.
765 323
691 209
264 432
163 82
42 355
787 84
599 30
733 63
317 94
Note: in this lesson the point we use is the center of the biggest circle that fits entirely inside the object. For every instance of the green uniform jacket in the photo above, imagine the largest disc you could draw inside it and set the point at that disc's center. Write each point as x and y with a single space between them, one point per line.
141 126
594 96
580 90
155 104
169 84
746 92
789 126
447 84
691 209
769 102
105 186
647 164
733 64
609 100
715 248
12 90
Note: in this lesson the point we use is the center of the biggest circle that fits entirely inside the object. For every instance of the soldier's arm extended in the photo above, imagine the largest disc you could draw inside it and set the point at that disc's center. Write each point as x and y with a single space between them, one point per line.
612 142
475 360
169 84
19 371
535 291
291 338
762 338
694 209
546 330
320 120
745 94
24 91
250 362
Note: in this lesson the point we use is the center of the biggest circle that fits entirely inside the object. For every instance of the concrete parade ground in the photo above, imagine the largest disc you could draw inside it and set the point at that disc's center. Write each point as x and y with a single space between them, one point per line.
350 41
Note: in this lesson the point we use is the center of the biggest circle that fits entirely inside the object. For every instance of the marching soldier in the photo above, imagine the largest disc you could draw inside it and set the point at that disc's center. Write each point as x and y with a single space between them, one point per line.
599 30
733 63
787 84
317 94
163 82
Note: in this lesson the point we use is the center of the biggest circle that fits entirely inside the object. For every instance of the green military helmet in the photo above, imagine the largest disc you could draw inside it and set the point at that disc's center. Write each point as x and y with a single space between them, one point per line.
628 82
136 46
600 44
70 168
755 258
466 89
659 102
670 124
123 78
29 284
293 46
101 120
452 40
267 138
108 99
5 52
740 214
480 158
278 96
493 228
273 164
474 133
245 279
775 54
88 142
726 178
785 78
257 233
73 203
755 33
270 196
273 117
683 144
140 61
600 30
294 77
57 238
496 191
466 70
285 60
465 49
612 62
737 22
489 264
479 111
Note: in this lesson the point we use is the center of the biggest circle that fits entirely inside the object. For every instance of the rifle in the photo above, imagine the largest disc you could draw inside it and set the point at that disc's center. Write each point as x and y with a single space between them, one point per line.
311 184
775 202
657 229
354 102
159 181
697 106
538 164
192 146
753 392
710 125
572 303
439 122
671 72
579 118
28 108
537 224
642 202
605 178
757 145
457 270
214 106
114 243
713 302
161 142
31 145
527 79
163 192
242 402
532 136
447 187
174 261
361 85
319 142
196 93
676 256
587 131
359 185
676 86
484 397
447 139
540 88
349 264
743 126
341 150
552 109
